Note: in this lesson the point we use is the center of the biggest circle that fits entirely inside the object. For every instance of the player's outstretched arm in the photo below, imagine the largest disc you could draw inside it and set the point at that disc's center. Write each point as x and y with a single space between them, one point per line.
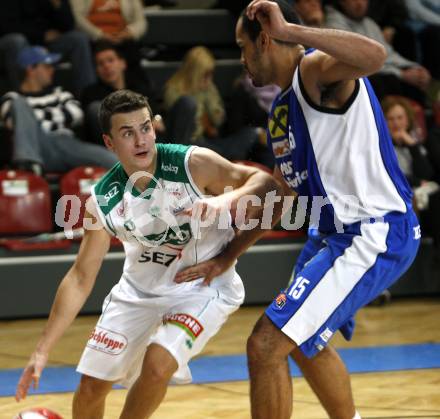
347 55
247 190
70 297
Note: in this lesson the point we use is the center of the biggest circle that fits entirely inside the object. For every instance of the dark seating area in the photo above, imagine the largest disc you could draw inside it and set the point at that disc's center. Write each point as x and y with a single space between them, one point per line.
171 33
182 27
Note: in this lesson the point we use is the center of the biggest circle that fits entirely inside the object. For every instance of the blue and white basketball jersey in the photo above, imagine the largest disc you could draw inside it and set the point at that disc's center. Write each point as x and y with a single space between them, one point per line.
342 159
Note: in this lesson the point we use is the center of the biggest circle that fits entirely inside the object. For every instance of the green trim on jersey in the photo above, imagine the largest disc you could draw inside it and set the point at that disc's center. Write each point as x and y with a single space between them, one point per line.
170 166
171 163
109 190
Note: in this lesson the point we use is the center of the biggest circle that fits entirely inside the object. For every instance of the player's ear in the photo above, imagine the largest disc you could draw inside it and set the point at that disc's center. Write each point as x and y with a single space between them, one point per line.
108 141
263 40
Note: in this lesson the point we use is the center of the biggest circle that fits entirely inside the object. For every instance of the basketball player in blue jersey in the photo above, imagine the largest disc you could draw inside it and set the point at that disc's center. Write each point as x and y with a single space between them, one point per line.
331 144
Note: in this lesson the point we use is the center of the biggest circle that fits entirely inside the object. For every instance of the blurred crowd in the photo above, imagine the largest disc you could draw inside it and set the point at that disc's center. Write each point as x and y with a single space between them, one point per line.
54 128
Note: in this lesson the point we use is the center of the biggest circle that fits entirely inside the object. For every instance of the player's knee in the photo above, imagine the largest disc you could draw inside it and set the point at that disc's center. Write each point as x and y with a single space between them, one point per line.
159 365
92 389
159 374
267 343
256 348
260 345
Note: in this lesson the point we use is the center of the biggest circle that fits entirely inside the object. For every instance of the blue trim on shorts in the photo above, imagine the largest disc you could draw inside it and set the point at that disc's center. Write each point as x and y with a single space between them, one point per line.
319 256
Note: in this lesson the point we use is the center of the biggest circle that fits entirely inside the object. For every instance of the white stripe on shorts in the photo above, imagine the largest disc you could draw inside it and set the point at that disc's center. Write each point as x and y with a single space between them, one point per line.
338 282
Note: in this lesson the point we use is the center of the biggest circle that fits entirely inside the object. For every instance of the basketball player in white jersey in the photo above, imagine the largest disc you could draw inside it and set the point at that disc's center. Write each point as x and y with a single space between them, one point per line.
150 326
331 146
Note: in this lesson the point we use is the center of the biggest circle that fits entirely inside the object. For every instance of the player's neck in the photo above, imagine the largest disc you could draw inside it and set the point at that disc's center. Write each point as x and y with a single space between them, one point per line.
286 68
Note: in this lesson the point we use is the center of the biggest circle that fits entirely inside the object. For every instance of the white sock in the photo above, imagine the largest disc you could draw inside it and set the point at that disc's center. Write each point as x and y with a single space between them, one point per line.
357 416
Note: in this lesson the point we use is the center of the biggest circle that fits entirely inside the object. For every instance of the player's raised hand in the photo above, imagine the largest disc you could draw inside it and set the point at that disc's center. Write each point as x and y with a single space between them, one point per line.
31 374
270 17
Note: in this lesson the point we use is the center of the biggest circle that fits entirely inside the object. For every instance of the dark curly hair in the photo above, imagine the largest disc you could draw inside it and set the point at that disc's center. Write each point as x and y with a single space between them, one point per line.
253 27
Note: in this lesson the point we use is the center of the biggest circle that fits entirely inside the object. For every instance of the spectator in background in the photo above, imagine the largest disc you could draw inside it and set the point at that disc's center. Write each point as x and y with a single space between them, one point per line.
49 23
111 68
192 86
42 119
250 107
310 12
427 11
10 45
415 164
399 75
195 110
392 16
121 22
425 17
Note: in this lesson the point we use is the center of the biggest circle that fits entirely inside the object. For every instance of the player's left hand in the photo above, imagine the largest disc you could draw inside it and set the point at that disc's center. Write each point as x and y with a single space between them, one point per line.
31 374
208 270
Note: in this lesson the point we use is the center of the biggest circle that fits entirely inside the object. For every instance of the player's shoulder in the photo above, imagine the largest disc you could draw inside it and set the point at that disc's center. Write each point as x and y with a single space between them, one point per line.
109 190
173 161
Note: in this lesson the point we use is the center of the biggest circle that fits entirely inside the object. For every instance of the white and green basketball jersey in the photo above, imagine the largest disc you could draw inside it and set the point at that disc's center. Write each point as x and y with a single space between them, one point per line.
158 242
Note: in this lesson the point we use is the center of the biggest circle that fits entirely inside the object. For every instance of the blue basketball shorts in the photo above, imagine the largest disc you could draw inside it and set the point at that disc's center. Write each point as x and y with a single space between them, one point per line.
337 274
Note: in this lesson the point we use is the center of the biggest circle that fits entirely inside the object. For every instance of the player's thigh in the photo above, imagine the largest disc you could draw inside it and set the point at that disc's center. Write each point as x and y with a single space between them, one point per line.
190 322
120 336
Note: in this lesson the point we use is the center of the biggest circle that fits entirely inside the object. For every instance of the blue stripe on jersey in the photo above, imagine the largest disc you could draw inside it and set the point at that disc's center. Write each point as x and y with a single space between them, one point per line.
299 168
387 152
325 216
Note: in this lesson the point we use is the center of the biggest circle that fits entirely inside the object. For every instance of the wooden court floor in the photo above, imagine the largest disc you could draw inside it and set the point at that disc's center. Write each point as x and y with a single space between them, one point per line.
399 395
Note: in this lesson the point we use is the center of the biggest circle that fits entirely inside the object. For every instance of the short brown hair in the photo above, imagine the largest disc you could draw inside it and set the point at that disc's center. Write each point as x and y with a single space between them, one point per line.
391 101
121 101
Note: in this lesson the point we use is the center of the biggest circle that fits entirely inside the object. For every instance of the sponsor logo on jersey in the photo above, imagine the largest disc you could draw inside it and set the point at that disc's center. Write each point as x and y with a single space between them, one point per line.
180 237
299 178
417 232
129 225
107 341
292 142
174 190
121 209
280 301
111 193
169 168
326 335
278 122
186 322
154 211
281 148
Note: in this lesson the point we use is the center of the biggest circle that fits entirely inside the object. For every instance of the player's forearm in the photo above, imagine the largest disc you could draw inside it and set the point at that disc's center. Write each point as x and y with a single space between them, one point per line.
254 221
70 297
245 239
256 188
347 47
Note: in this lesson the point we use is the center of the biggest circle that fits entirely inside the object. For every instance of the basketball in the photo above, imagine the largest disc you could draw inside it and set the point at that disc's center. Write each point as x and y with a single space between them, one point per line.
38 413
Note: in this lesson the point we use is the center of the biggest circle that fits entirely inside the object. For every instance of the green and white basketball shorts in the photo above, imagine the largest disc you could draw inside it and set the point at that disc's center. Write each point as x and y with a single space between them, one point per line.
131 320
